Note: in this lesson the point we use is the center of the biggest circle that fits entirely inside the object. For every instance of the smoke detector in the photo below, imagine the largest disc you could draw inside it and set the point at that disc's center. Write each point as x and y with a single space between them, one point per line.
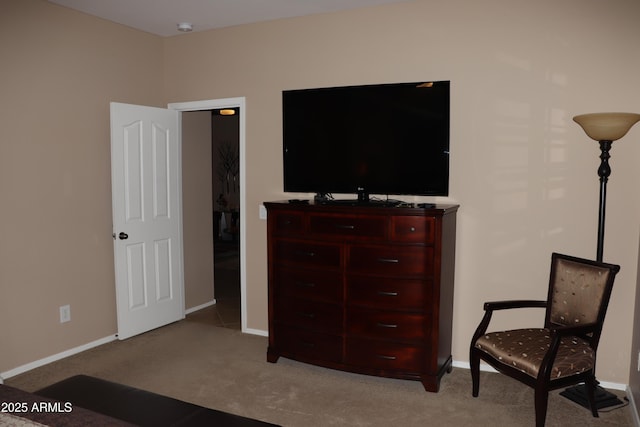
185 27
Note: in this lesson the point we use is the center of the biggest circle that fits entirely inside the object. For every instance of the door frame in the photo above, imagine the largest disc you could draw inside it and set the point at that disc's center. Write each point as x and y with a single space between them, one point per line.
214 104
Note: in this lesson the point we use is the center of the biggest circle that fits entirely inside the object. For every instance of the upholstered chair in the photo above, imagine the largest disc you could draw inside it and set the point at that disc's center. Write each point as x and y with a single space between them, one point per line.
563 351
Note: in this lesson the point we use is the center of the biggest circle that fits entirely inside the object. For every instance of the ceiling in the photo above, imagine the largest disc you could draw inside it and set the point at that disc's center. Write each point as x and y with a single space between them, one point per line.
162 16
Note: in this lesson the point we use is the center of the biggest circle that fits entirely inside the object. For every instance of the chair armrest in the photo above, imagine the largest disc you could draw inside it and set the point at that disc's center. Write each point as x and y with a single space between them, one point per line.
505 305
491 306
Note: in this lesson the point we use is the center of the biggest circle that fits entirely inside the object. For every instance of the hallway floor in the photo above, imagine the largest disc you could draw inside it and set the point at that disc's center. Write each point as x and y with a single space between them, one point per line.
227 310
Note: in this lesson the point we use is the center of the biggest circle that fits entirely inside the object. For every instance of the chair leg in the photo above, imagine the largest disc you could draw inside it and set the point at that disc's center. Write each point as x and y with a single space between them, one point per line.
474 362
590 384
541 401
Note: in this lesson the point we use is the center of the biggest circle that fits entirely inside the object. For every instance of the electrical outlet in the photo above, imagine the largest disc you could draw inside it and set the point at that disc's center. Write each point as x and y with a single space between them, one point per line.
65 313
638 361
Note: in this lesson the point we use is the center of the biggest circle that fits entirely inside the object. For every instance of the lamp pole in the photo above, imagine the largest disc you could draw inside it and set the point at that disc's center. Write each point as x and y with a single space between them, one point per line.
603 172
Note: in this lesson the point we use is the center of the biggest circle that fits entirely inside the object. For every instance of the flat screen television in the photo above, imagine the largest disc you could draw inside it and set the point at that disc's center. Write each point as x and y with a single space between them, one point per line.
386 139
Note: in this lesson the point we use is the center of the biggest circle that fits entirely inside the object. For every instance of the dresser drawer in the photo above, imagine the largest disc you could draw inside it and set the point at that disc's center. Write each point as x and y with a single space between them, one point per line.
311 315
385 324
319 285
389 293
383 355
348 226
310 254
298 343
414 229
286 223
391 260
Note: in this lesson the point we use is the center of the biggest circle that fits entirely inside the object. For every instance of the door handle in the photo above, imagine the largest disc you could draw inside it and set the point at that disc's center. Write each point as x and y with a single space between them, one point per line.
123 236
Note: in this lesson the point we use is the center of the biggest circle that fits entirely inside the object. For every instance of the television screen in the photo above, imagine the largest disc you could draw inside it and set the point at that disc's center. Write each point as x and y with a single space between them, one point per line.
388 139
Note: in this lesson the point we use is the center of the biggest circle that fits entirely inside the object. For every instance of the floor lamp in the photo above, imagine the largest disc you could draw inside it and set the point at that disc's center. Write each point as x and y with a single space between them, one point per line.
604 128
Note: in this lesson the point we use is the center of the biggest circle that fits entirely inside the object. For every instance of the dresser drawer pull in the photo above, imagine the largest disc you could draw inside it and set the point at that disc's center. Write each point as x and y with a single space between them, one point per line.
389 260
305 285
307 315
309 254
345 226
387 325
307 344
384 357
412 229
387 294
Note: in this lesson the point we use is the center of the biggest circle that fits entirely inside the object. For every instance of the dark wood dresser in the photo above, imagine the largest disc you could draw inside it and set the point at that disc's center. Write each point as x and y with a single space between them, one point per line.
365 289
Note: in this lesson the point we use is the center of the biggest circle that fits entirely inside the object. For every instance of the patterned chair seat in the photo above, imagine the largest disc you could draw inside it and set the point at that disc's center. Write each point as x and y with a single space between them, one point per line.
524 349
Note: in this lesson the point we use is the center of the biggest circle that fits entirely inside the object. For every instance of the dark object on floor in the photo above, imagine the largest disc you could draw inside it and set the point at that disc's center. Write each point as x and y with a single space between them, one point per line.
604 398
49 412
139 407
563 352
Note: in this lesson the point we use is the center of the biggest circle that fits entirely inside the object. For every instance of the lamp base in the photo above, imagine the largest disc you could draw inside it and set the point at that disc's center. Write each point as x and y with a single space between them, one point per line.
603 398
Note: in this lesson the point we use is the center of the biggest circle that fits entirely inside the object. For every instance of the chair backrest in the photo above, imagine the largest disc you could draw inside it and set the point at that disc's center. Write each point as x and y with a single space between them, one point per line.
579 292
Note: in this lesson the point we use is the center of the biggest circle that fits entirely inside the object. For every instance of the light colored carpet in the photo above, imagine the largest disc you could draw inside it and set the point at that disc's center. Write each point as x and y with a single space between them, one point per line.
224 369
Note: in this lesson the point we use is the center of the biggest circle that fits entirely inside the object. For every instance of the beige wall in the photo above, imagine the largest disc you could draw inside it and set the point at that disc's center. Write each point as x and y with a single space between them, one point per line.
523 172
60 69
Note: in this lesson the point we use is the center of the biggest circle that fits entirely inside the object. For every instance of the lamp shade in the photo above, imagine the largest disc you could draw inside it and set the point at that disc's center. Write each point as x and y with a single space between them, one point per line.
606 126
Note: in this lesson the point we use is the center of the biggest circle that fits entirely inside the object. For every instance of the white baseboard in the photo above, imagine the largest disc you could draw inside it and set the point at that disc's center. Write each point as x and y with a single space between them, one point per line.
613 386
245 330
259 332
36 364
487 368
200 307
56 357
465 365
633 408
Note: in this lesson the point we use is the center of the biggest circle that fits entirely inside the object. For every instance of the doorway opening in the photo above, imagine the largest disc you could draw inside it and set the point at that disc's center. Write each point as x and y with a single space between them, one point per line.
230 232
225 184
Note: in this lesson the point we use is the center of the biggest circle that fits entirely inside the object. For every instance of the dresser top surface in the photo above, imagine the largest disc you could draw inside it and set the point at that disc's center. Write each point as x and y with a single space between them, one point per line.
348 206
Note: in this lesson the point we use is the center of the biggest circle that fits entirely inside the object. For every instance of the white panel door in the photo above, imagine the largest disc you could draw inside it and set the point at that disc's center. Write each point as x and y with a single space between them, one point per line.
146 193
